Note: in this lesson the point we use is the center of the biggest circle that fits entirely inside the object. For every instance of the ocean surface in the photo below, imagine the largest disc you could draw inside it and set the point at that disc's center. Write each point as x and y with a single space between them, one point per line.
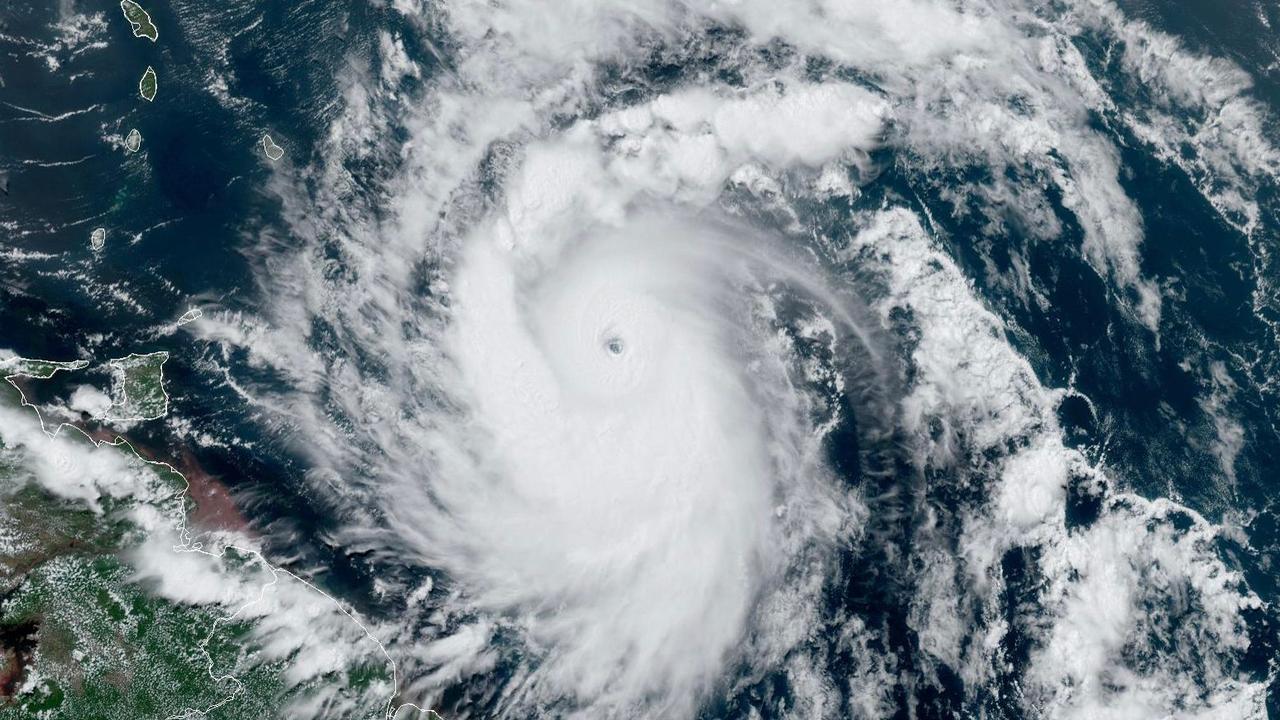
1051 251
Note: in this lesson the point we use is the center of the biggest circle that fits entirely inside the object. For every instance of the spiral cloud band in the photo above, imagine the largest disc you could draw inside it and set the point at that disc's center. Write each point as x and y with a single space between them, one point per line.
661 391
628 479
619 472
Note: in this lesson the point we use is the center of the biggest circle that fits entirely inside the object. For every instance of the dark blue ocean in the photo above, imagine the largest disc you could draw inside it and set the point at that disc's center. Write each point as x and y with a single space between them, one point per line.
187 216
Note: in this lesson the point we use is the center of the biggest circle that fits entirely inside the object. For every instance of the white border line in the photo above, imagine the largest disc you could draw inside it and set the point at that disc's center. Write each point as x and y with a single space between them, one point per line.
137 25
390 711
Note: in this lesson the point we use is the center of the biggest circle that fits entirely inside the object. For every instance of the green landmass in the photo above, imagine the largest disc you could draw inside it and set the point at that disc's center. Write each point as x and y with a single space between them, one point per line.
140 20
34 531
85 642
147 85
82 639
103 648
41 369
137 387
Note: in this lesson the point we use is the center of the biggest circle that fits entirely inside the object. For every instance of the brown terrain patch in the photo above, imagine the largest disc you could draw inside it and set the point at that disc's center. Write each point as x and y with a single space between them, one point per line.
215 508
17 646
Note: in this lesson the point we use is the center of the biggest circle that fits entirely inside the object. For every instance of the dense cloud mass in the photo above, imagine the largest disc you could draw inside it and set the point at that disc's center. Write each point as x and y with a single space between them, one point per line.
642 341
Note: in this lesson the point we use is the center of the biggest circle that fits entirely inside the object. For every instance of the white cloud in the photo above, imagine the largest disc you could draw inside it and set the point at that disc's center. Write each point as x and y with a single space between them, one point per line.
89 399
567 486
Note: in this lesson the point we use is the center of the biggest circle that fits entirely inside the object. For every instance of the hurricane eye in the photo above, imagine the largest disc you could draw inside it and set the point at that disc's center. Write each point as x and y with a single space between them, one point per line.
614 345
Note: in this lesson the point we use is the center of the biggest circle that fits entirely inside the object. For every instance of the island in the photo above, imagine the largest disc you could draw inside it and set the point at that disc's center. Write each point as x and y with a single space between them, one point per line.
98 238
273 151
190 316
133 140
140 20
147 85
137 387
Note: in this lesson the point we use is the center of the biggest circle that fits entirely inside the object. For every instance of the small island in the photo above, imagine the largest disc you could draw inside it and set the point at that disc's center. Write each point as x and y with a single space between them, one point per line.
140 20
190 316
133 140
147 85
98 238
273 151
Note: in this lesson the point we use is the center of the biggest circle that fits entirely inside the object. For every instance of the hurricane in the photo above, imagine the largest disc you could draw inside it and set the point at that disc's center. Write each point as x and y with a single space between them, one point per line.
619 425
660 362
736 359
